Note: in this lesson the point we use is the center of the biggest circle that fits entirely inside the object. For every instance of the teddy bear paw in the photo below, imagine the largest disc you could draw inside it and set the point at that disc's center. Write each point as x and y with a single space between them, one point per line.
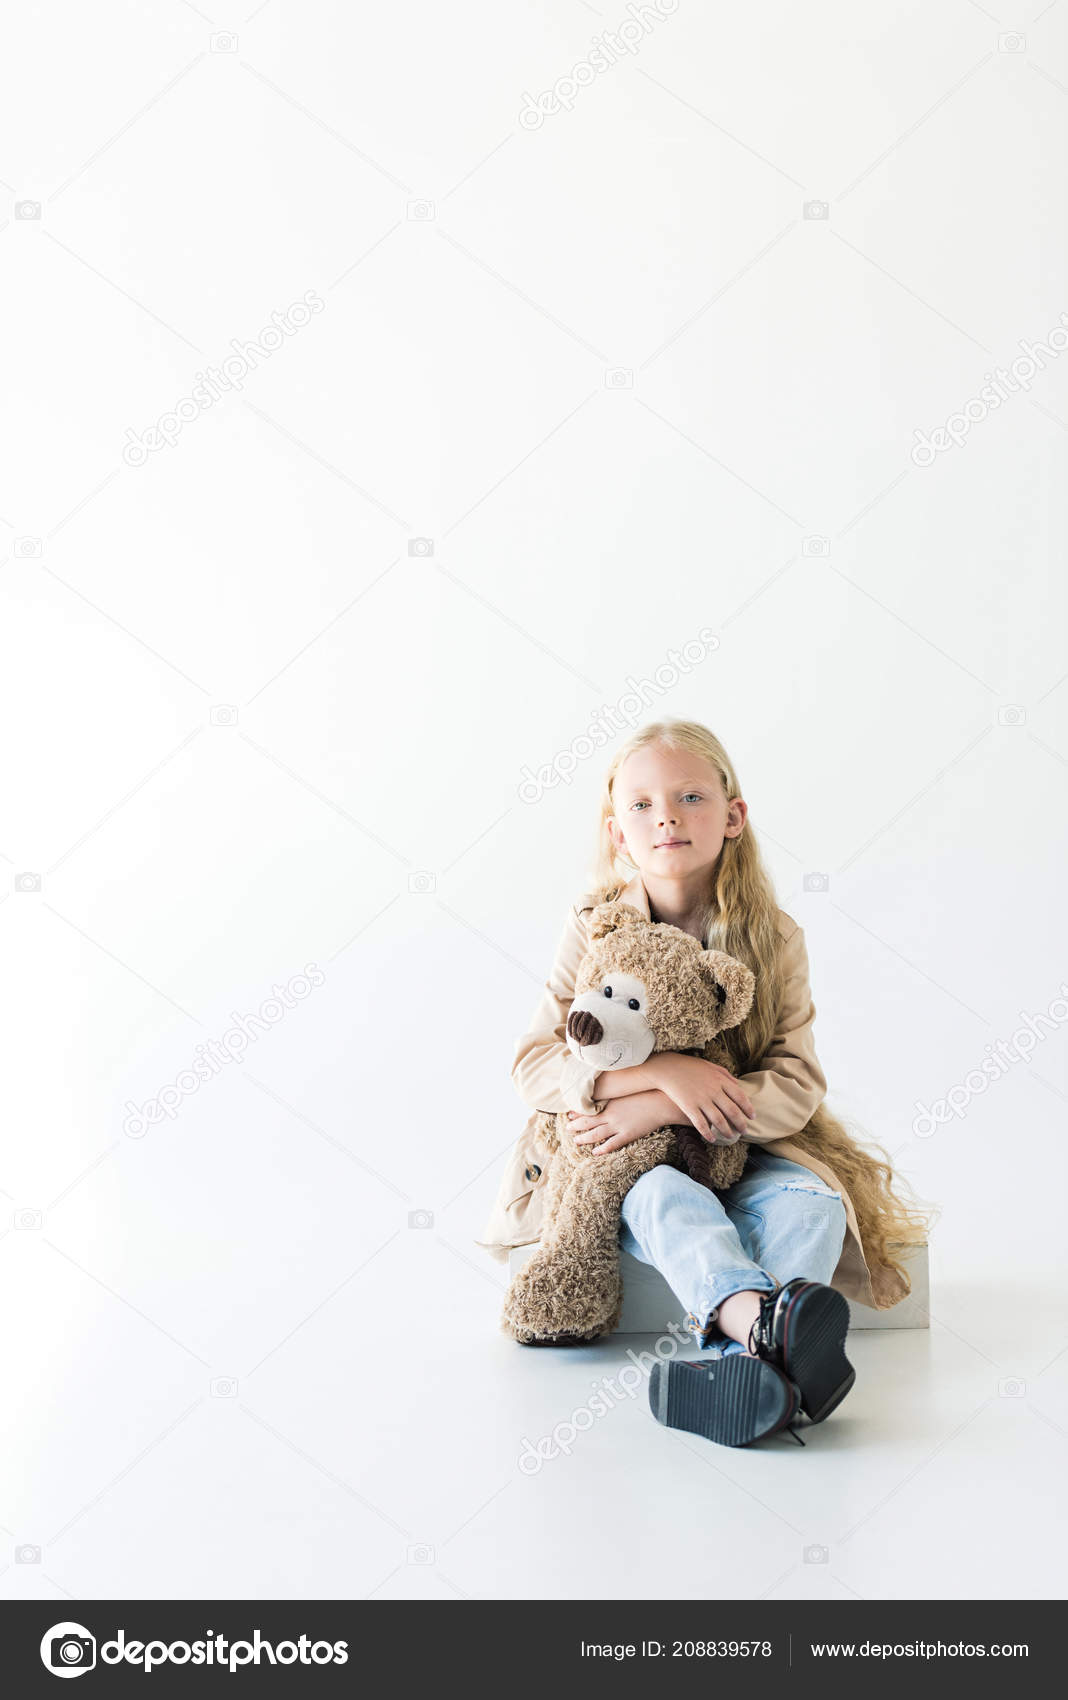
548 1305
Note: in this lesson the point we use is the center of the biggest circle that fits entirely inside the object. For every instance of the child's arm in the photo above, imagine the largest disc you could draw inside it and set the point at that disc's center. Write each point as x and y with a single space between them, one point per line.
789 1084
546 1072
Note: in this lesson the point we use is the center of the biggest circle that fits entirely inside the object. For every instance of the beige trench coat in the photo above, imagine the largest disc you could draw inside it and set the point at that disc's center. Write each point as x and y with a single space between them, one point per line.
784 1092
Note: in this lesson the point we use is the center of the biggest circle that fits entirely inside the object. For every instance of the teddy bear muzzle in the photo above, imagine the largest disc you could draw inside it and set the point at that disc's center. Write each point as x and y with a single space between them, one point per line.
584 1028
611 1036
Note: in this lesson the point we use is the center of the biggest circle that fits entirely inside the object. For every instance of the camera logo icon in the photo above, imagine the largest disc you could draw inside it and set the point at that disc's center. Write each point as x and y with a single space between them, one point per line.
26 1221
421 1555
1010 1388
1012 714
816 1555
816 882
816 546
421 547
1012 42
68 1649
421 212
28 548
224 1387
27 882
816 209
223 41
619 378
224 714
27 209
422 882
420 1218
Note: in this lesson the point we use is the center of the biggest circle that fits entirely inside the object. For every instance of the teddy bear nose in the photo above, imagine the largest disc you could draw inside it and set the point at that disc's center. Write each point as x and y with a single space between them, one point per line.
584 1027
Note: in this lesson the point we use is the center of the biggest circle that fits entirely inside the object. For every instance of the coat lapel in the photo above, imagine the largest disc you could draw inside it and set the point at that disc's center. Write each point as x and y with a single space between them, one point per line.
636 895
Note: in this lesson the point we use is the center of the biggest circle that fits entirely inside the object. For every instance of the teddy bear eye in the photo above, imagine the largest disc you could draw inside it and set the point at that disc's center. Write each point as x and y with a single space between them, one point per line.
608 991
633 1004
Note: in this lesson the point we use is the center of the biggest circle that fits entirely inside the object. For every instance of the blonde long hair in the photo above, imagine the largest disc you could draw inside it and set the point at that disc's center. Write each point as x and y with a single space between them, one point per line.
740 916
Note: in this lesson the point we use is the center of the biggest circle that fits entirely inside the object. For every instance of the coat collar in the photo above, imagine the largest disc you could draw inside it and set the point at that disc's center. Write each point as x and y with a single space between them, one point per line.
634 892
636 895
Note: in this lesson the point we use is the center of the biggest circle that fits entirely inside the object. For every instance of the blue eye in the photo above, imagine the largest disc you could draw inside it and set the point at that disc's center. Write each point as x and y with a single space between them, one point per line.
696 795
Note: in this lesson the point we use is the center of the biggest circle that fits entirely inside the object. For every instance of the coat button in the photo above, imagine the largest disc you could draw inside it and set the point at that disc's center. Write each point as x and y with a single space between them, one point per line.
533 1172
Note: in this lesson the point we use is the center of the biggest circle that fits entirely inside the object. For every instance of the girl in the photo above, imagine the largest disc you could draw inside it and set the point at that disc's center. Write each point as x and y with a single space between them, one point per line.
753 1263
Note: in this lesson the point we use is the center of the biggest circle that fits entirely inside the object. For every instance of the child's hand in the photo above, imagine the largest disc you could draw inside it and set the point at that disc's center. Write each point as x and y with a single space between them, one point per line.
620 1122
716 1104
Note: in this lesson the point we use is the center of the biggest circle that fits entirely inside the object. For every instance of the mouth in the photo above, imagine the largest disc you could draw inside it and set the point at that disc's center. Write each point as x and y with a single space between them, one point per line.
671 844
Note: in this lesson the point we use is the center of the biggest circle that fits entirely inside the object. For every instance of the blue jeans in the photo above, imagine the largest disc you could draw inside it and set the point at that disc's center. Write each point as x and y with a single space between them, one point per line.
778 1221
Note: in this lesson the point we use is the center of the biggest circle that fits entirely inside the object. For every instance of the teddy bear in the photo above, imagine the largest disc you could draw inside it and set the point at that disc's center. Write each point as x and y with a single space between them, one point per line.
643 986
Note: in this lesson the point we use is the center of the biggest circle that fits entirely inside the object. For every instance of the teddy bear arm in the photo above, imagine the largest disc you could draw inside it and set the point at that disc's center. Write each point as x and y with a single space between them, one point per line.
548 1129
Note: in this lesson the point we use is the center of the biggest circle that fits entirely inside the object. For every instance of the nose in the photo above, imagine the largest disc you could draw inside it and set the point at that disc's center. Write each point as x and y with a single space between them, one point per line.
584 1027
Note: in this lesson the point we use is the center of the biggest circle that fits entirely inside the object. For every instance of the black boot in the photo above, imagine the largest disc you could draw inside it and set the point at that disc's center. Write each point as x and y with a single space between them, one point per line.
733 1400
801 1329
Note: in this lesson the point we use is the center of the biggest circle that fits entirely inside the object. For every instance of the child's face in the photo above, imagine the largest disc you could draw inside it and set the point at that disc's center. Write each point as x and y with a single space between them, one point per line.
662 794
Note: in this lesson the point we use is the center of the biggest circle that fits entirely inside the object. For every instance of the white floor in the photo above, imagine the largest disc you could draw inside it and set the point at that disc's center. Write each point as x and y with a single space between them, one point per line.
375 1454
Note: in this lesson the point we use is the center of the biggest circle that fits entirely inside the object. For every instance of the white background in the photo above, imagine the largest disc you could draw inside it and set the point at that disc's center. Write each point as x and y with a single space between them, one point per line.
895 700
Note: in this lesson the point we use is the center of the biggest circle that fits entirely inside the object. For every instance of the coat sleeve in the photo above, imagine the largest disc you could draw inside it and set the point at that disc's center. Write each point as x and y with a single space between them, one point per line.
789 1084
546 1072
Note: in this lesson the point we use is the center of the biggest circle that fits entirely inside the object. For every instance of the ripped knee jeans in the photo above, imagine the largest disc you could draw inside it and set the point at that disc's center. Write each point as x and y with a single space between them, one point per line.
778 1221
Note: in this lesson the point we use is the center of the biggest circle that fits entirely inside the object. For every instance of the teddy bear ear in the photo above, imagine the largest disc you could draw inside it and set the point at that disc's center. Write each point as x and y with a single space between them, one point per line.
609 917
732 985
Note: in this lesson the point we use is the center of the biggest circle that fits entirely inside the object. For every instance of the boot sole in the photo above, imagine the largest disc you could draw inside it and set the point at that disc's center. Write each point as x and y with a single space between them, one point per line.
817 1319
733 1401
